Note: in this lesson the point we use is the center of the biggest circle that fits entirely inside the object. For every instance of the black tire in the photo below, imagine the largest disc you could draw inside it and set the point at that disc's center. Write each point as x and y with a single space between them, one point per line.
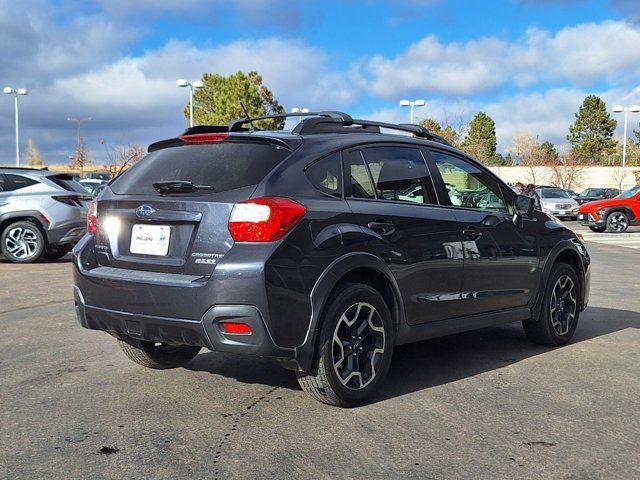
160 357
550 328
351 301
617 222
54 252
597 229
22 242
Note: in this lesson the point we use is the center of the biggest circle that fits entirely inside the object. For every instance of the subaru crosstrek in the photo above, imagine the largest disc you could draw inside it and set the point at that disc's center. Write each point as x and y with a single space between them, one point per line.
323 247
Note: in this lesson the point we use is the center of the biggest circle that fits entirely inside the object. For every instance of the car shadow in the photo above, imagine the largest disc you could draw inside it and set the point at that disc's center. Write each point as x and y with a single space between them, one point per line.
434 362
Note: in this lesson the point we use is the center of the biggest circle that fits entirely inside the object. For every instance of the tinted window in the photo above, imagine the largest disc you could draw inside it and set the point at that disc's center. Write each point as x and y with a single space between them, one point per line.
592 192
357 176
67 183
467 185
553 193
16 182
326 175
4 183
400 174
225 166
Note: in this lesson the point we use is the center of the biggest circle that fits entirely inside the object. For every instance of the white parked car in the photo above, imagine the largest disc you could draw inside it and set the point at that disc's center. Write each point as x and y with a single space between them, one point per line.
558 202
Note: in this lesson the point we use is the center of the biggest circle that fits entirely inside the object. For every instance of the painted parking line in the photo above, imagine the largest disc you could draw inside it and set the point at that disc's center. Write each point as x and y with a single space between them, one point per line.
628 240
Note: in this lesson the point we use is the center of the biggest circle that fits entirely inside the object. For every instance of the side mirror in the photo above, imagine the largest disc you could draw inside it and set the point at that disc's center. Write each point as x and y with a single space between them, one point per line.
523 205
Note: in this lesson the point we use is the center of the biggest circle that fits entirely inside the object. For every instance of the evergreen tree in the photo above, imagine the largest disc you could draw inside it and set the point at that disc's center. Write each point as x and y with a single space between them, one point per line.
481 140
591 135
549 151
218 102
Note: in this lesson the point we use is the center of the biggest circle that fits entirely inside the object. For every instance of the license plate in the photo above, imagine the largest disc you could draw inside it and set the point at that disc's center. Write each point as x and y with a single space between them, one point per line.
150 239
581 217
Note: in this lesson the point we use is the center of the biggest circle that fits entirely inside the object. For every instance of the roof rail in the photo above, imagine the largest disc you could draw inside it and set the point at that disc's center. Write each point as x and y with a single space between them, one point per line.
24 168
334 125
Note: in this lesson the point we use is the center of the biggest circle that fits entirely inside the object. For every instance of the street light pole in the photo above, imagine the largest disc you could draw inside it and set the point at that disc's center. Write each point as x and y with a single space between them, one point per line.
192 86
626 110
15 92
412 104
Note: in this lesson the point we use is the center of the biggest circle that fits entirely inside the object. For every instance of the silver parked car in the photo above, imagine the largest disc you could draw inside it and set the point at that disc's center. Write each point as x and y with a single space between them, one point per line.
558 202
42 214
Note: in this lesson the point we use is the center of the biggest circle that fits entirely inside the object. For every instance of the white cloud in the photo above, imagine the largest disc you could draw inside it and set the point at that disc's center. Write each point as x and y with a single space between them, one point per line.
584 55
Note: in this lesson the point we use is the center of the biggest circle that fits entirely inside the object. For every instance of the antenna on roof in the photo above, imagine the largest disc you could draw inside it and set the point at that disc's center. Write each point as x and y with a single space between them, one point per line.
246 114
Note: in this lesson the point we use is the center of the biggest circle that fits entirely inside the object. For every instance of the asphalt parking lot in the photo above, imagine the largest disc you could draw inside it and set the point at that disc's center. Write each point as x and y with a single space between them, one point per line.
484 404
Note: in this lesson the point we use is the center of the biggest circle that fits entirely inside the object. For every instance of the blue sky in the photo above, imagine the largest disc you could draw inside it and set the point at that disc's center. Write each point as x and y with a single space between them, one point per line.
528 63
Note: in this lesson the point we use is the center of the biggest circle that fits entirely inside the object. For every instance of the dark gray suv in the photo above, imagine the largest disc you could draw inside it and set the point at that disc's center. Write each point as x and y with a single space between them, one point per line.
323 248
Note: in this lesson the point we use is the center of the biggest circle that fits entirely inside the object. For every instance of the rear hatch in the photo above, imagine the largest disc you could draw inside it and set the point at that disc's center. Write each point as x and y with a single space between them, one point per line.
175 230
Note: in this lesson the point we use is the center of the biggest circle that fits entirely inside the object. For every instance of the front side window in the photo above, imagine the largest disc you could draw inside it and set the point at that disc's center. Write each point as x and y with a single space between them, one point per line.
400 174
326 175
467 185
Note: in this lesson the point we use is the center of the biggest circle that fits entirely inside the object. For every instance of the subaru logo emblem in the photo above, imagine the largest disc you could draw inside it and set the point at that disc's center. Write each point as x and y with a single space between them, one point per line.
144 211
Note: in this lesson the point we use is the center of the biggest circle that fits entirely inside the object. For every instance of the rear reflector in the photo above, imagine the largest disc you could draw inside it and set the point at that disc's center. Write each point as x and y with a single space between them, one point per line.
264 219
235 328
204 137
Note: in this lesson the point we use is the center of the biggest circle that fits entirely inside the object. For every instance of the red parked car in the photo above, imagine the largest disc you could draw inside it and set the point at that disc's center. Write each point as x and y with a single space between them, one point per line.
613 214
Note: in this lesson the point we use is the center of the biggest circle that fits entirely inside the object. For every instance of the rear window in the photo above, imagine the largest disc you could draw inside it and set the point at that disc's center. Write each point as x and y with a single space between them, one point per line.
67 183
224 166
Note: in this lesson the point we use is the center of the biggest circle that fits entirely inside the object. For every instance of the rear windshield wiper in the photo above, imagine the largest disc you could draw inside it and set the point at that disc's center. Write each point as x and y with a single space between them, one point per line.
179 186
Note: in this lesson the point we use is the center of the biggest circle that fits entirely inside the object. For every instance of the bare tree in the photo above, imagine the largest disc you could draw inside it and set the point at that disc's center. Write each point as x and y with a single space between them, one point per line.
526 151
567 170
80 159
122 157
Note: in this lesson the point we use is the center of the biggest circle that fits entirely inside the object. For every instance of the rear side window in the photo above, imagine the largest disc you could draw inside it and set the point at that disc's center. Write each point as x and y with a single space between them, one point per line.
326 175
357 176
4 183
16 182
224 166
400 174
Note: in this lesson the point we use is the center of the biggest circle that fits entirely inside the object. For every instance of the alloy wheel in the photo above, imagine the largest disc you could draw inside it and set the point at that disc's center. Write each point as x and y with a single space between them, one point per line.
563 305
358 345
21 242
618 222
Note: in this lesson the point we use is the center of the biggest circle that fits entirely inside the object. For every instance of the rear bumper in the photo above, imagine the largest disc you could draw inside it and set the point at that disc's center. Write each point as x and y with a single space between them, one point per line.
70 232
205 332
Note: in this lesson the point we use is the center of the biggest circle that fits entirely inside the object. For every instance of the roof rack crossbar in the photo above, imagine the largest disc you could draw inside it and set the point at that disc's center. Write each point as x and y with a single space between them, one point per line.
237 124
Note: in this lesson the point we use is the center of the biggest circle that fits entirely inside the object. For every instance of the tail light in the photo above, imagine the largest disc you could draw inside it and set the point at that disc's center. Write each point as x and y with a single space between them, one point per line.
72 200
264 219
204 137
92 218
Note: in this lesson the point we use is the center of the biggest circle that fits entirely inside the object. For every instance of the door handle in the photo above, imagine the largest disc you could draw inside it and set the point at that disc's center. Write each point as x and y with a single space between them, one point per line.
382 227
471 233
